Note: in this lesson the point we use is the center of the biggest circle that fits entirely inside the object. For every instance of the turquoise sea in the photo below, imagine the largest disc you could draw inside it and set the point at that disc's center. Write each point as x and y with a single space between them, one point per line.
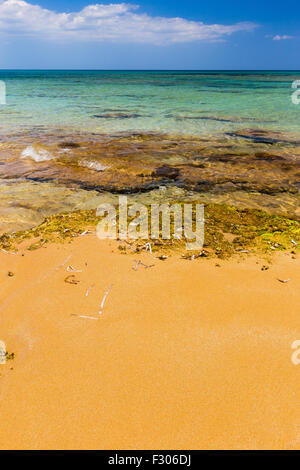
185 102
72 139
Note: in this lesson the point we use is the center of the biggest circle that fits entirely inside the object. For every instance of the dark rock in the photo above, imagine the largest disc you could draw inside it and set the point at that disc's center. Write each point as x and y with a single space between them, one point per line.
166 171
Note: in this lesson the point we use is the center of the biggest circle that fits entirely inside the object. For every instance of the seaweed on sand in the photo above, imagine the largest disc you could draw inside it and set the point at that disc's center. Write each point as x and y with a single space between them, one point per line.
228 230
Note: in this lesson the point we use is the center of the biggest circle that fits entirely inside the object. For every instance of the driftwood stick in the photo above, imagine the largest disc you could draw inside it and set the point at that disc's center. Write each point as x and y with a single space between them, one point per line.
88 291
104 299
72 269
84 316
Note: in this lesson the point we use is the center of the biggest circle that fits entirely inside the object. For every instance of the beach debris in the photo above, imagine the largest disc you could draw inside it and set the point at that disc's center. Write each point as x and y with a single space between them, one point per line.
130 244
264 268
64 263
162 257
139 263
147 246
191 257
36 246
9 252
284 281
147 265
293 242
84 316
10 274
136 267
86 232
10 356
71 279
72 269
89 289
103 300
2 353
92 317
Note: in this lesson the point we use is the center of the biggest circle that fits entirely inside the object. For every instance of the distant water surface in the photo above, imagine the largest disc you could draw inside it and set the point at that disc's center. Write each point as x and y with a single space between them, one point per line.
185 102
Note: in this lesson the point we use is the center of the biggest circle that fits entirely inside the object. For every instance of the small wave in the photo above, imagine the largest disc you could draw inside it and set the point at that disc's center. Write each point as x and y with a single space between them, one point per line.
38 155
97 166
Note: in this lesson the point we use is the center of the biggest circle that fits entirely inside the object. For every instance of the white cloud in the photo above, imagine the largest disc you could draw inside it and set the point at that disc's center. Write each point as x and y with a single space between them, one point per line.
280 38
113 22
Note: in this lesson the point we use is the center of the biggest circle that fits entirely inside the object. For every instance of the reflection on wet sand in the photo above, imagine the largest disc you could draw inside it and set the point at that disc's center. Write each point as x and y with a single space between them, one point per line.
59 171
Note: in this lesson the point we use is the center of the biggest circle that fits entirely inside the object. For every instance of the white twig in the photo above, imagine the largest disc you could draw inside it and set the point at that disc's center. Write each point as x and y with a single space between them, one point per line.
101 306
8 253
72 269
65 262
86 232
136 267
104 299
148 247
84 316
139 263
88 291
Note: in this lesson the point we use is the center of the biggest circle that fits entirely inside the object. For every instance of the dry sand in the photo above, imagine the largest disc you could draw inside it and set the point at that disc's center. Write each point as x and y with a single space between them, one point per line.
185 355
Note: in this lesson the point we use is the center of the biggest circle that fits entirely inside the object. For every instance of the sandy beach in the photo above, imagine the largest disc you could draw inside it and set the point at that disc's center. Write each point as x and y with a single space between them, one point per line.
149 228
185 355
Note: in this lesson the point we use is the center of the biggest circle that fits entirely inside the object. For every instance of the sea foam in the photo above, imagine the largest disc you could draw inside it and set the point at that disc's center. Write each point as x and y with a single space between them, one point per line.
38 155
97 166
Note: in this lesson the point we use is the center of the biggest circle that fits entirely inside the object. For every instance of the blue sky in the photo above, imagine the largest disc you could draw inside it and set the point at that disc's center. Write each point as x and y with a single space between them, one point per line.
150 34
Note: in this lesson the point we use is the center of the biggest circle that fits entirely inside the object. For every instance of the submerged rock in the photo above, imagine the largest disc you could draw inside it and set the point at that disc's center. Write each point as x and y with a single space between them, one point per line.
264 136
166 171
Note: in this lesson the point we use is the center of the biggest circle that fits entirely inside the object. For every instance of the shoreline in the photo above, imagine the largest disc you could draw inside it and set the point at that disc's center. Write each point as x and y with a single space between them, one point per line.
110 346
251 168
185 355
228 231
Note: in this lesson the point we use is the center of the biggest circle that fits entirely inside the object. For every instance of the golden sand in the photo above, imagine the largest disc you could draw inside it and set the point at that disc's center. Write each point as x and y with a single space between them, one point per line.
186 354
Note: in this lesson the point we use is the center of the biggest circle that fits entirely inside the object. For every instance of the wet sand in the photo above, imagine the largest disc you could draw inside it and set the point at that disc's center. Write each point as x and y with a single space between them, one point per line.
186 354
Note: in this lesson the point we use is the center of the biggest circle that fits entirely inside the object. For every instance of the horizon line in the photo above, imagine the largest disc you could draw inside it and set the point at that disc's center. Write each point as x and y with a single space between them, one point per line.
148 70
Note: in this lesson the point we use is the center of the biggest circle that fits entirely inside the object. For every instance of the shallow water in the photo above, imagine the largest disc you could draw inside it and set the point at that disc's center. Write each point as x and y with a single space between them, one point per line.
178 102
69 138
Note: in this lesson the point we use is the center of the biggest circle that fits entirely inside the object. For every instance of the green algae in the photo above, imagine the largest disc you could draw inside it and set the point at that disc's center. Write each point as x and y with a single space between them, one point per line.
10 356
228 231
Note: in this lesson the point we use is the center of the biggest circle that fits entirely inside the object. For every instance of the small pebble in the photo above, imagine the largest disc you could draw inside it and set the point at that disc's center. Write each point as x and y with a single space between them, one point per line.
265 268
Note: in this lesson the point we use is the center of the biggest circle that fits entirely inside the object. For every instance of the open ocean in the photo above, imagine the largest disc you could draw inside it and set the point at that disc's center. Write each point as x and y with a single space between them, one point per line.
194 103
